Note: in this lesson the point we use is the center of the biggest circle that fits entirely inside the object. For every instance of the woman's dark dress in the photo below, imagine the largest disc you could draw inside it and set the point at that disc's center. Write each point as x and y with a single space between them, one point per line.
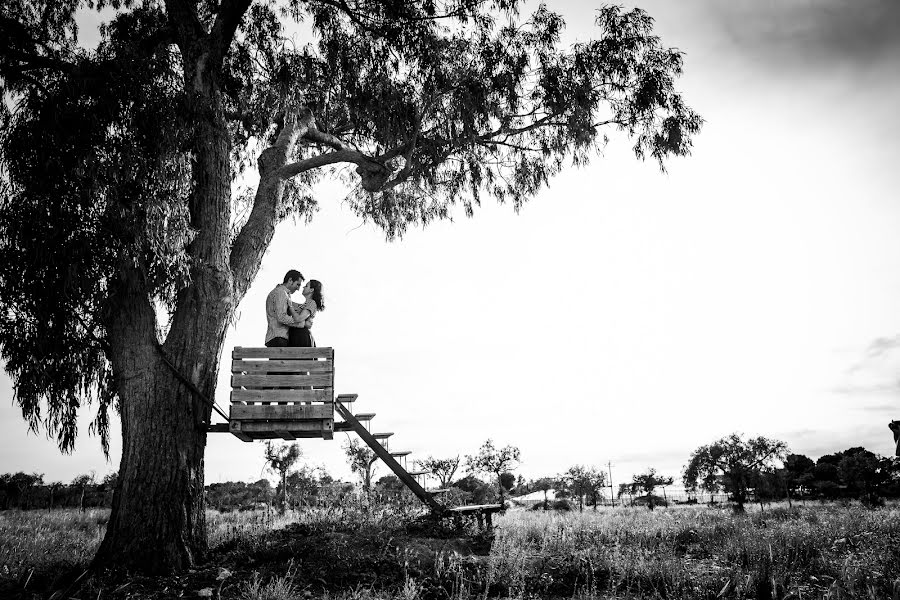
299 336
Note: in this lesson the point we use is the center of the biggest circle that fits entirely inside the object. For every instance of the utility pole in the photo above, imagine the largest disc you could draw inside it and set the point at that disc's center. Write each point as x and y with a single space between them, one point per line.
612 499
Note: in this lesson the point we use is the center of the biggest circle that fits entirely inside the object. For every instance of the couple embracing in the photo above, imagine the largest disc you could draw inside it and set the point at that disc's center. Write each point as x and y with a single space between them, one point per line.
289 323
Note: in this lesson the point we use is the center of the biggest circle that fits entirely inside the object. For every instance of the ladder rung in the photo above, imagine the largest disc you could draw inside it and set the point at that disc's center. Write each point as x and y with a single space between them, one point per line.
442 491
346 398
416 473
382 436
364 416
402 453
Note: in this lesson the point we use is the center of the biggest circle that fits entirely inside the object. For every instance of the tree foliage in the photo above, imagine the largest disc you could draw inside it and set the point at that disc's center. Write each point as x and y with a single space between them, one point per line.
647 482
494 461
362 461
280 459
442 468
732 463
581 481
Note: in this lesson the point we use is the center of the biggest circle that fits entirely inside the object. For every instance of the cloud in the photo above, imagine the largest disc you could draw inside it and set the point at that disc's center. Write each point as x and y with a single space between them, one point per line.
815 34
876 372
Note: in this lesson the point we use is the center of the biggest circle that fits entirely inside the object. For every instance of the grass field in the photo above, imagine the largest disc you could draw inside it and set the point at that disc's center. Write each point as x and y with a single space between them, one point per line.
815 551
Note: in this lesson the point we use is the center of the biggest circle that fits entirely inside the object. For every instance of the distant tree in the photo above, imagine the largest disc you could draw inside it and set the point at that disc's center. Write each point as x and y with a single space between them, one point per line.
479 492
22 486
625 489
108 485
302 484
799 474
522 486
581 481
390 484
280 459
647 482
442 468
494 461
826 479
81 483
507 482
54 487
544 484
362 461
864 473
732 463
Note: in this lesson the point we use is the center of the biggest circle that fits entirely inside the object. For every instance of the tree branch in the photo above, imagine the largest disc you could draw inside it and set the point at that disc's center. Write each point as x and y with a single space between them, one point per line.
231 12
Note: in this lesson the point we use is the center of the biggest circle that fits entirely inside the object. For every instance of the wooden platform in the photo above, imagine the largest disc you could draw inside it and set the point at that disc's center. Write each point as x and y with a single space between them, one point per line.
285 393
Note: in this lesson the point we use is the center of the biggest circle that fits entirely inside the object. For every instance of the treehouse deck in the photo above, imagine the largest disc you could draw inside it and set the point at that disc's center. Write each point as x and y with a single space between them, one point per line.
288 393
285 393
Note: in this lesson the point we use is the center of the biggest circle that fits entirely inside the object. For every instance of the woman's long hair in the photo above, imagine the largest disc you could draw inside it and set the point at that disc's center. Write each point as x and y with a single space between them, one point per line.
317 296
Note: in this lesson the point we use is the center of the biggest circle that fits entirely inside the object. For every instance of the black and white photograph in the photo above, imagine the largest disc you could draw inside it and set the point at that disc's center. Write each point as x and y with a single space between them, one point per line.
450 299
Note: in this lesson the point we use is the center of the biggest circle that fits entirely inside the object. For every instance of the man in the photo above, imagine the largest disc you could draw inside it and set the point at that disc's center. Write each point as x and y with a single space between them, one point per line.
277 314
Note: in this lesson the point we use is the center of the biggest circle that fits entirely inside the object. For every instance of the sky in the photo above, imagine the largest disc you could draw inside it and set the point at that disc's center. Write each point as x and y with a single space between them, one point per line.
626 316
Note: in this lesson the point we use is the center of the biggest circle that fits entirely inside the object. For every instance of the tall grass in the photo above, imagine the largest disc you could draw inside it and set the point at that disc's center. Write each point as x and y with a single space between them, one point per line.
687 553
37 540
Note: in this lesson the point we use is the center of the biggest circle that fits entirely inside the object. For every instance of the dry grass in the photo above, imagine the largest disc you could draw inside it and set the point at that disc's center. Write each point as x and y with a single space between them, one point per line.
687 553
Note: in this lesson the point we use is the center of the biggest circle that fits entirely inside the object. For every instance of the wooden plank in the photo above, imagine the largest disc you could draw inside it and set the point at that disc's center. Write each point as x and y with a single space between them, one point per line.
345 398
241 352
289 412
417 473
285 435
401 453
382 436
237 430
256 396
476 508
281 366
282 381
295 427
217 428
364 416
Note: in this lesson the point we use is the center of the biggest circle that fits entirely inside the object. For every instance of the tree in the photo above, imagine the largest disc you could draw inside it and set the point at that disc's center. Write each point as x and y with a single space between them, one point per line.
442 468
545 484
864 472
280 459
18 487
732 463
581 481
54 487
647 482
798 474
125 252
81 483
477 490
362 461
302 484
495 461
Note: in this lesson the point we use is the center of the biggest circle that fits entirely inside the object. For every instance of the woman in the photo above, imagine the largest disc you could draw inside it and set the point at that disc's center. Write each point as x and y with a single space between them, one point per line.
305 313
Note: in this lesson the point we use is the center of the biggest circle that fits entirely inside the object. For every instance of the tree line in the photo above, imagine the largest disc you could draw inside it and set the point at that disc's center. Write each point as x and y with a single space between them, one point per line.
752 470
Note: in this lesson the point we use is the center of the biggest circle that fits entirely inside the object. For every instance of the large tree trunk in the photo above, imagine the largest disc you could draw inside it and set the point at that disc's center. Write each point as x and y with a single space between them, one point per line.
158 522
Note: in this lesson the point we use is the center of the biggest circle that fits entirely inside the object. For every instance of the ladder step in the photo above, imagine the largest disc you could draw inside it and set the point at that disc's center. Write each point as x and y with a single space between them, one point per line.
417 473
382 436
346 398
365 416
402 453
442 491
